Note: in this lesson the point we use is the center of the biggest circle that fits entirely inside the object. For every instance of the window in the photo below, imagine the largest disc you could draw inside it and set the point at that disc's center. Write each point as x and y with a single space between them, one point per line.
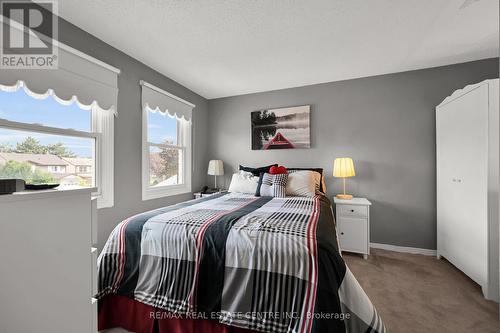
166 160
65 113
83 169
43 141
167 149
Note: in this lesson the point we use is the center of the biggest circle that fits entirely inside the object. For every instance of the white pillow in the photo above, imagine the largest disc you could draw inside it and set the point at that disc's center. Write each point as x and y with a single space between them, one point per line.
302 183
246 174
244 182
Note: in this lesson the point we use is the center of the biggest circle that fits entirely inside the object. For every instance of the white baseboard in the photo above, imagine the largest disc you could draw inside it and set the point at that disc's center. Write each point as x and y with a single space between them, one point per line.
414 250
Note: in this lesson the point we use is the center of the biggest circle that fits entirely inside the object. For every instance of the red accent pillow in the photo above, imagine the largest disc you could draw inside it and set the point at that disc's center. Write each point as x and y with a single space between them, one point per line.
277 170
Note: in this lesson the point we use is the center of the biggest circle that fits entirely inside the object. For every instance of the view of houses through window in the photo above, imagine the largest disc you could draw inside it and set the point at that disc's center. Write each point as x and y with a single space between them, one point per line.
40 157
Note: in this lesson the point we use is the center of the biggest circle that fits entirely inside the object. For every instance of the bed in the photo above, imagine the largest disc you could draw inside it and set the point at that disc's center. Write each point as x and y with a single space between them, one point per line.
231 262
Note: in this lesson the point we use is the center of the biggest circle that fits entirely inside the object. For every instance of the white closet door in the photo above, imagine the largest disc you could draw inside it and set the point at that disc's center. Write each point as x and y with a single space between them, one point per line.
448 198
462 182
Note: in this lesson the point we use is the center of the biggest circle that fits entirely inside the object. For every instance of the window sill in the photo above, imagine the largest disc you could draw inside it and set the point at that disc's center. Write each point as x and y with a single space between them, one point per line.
41 194
165 191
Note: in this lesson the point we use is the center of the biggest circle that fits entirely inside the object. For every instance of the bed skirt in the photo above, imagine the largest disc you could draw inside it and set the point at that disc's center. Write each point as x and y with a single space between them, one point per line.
134 316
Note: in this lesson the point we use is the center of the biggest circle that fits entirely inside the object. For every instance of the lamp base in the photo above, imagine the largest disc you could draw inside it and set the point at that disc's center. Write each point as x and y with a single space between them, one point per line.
344 196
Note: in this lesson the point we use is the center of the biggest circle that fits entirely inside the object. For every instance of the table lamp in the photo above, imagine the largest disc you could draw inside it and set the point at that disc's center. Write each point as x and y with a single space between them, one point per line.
342 168
215 168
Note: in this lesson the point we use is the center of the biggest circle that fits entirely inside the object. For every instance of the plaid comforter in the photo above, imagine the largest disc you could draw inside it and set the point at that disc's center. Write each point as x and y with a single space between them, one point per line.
262 263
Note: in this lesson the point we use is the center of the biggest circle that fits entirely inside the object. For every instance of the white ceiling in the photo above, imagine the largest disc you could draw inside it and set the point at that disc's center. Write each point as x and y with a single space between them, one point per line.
223 48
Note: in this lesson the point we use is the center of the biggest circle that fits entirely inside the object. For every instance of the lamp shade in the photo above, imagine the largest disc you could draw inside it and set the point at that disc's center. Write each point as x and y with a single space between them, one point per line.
216 168
343 167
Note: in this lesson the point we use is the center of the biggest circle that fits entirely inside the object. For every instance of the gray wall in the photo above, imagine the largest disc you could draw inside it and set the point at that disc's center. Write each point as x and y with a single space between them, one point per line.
128 127
385 123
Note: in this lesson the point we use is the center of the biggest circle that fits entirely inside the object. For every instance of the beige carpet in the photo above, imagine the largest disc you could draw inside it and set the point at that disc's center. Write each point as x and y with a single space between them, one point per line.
416 293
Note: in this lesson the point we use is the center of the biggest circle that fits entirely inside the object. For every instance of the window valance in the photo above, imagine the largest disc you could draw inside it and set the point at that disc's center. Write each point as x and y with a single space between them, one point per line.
159 100
78 77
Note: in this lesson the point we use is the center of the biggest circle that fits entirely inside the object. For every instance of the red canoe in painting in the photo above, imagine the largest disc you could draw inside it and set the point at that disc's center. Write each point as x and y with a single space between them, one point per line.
279 142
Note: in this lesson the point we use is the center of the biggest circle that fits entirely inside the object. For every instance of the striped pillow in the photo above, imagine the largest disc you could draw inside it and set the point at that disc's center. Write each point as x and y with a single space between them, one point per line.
272 185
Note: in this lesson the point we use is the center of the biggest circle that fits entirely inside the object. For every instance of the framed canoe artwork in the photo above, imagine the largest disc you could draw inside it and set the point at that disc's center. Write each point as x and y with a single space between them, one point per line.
284 128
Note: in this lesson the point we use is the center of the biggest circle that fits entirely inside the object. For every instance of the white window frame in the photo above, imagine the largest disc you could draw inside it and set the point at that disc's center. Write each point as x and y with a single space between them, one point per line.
102 131
103 123
184 129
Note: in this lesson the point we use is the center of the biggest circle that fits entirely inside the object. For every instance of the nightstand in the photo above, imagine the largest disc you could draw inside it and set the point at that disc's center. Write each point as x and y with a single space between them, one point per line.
353 225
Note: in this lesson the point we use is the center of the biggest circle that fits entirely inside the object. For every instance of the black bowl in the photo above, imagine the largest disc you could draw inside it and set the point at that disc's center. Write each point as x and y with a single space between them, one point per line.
40 186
